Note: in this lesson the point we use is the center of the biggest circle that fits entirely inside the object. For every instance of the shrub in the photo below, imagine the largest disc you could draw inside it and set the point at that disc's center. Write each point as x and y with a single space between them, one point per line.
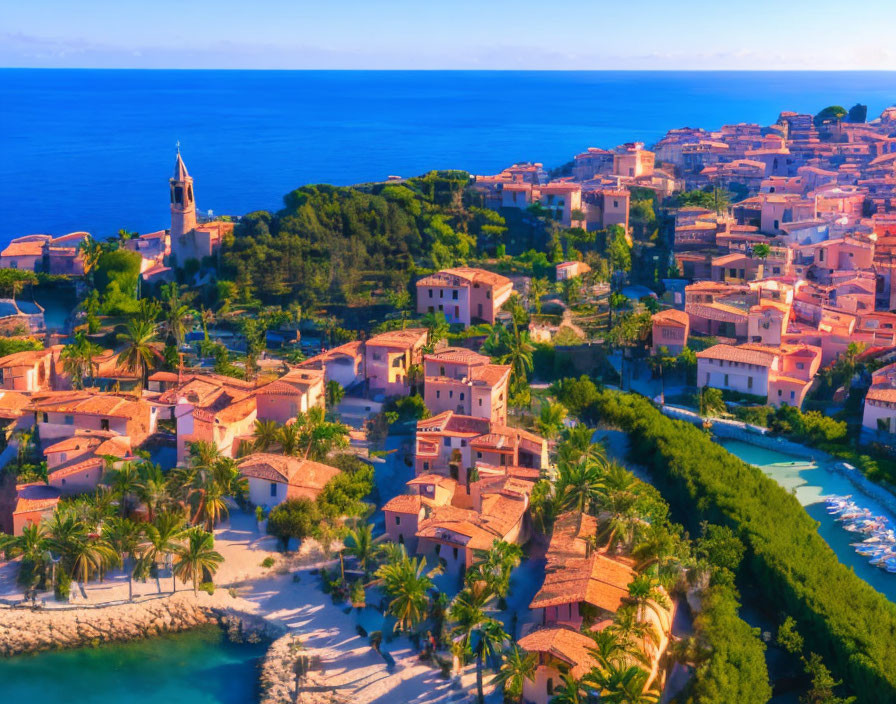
849 623
63 587
207 587
268 562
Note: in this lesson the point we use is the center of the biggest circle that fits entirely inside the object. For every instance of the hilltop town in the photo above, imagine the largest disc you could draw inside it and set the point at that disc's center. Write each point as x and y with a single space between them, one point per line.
446 394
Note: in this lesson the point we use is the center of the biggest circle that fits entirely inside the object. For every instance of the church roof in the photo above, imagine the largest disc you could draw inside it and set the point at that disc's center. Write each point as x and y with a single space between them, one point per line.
180 169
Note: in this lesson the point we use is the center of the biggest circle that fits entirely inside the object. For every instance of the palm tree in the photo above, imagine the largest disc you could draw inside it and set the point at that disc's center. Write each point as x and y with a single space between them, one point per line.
578 443
537 289
436 325
487 641
495 565
570 692
550 420
519 357
196 557
316 436
88 555
634 634
138 353
123 536
497 340
90 251
407 585
159 540
77 358
33 545
176 313
645 592
621 684
125 483
518 666
360 544
334 393
151 488
580 484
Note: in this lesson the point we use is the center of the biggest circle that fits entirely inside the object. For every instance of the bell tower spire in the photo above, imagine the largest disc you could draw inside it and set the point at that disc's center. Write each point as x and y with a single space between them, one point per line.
183 205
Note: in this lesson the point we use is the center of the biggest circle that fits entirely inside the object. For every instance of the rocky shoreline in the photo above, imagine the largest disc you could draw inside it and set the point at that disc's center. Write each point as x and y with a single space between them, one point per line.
25 631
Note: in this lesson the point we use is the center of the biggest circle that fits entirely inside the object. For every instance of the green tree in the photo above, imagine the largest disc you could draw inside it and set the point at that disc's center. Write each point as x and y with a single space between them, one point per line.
139 354
711 403
77 359
550 420
334 393
266 435
407 587
159 543
196 557
538 287
517 667
294 518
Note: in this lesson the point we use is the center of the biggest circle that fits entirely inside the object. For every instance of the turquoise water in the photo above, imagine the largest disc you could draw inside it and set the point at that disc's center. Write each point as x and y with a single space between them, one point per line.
811 484
199 667
93 150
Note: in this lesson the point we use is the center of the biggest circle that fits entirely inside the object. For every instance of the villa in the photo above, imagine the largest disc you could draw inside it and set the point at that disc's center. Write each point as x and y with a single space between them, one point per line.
463 294
670 330
389 357
29 371
561 650
296 392
276 478
460 380
62 414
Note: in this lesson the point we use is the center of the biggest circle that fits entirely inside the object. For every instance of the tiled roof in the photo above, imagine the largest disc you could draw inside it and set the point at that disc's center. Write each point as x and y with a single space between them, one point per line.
747 355
672 317
404 503
35 497
457 355
304 477
564 644
77 468
25 358
409 338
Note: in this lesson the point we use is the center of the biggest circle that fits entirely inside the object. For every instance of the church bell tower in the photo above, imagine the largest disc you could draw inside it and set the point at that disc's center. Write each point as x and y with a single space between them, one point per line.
183 205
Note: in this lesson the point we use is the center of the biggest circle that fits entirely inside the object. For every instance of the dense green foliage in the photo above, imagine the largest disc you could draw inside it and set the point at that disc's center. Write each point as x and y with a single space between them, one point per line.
734 669
847 621
832 112
116 276
12 345
332 243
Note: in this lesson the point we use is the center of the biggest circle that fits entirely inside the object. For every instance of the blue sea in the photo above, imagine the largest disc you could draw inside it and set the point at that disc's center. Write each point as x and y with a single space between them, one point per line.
93 149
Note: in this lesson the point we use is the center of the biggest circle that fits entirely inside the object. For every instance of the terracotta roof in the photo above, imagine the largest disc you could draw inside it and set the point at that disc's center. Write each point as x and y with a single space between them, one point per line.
885 393
746 354
163 376
574 575
457 355
672 317
717 311
409 338
564 644
77 468
25 358
97 404
304 477
468 275
33 248
35 497
404 503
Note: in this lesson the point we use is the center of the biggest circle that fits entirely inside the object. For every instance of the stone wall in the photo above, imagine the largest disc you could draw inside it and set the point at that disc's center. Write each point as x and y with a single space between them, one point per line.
25 631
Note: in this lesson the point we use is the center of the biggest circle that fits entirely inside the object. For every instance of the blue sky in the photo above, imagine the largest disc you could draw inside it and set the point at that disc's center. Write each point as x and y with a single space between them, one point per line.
434 34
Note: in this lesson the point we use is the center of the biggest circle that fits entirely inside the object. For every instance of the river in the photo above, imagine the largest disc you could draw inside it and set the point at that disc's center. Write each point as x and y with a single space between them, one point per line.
199 667
812 483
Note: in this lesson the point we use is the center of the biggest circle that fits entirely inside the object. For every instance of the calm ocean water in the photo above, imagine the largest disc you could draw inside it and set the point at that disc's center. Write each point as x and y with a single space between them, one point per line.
92 150
199 667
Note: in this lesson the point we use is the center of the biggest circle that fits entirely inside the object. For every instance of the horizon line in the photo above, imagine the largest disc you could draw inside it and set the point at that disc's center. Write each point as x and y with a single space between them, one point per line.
458 70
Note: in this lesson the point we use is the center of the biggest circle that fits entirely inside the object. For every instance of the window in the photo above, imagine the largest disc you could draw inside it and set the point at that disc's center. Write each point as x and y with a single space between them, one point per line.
461 395
441 371
480 403
273 488
104 424
749 382
69 420
454 552
46 418
447 442
398 520
792 395
438 394
450 393
615 203
426 466
550 686
800 365
454 295
726 380
478 455
430 293
441 294
779 393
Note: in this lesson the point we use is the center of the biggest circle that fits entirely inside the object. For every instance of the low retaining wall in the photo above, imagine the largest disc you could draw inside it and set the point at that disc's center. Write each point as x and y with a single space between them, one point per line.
25 631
